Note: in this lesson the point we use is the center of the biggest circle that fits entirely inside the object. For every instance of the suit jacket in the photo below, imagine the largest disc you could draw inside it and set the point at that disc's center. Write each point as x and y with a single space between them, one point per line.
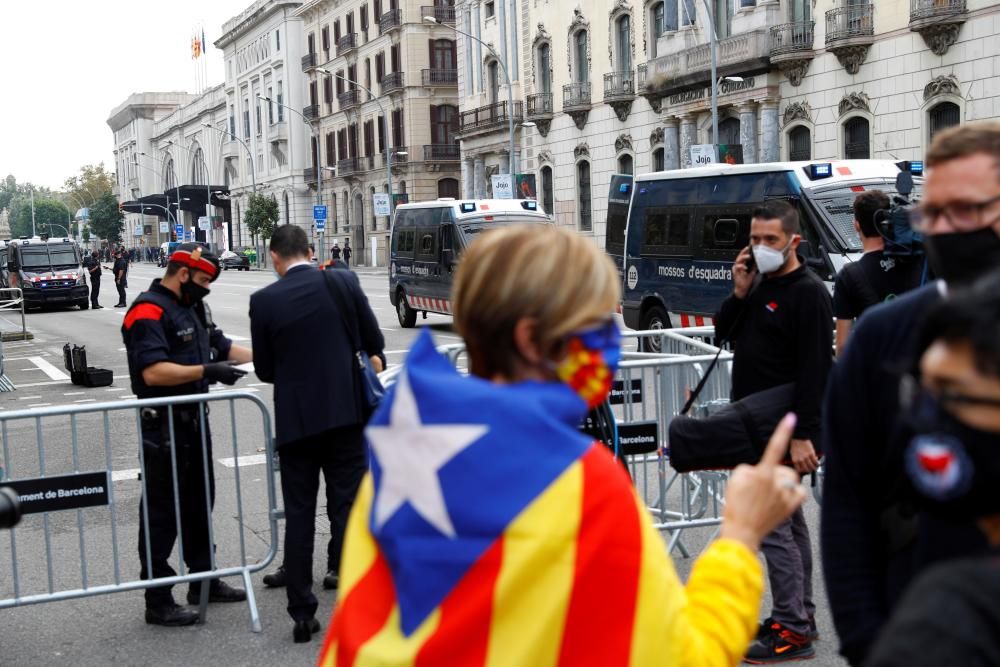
301 346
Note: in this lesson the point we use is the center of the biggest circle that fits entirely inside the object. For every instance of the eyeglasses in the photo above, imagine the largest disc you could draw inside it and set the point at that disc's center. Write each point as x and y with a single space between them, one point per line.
912 393
962 216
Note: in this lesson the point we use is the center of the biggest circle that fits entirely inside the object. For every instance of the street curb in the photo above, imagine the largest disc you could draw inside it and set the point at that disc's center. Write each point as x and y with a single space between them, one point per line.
11 336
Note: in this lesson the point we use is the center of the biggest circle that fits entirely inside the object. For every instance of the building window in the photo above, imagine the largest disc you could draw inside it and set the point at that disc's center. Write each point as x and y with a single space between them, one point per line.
723 11
729 131
270 107
325 37
277 40
624 43
857 145
493 77
547 203
583 195
688 13
943 116
658 163
246 119
625 164
288 217
444 124
489 8
258 117
280 100
328 89
311 41
442 52
543 69
331 155
232 120
580 55
799 144
448 187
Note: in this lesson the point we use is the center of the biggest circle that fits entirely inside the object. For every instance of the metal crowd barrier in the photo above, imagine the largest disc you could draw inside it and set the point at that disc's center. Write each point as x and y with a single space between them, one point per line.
74 467
12 299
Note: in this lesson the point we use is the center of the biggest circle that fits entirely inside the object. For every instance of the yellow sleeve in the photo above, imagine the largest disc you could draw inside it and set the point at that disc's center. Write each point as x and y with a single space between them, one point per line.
707 623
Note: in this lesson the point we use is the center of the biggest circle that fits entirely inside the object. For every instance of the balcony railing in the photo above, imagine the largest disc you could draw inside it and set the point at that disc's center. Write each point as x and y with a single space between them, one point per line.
391 81
576 95
439 77
539 104
849 22
619 85
400 155
309 174
929 9
491 115
277 131
791 38
347 43
350 165
311 112
442 14
230 148
691 66
391 20
442 152
349 99
308 61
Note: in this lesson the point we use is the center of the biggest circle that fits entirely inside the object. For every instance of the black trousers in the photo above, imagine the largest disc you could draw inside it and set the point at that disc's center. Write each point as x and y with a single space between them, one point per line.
95 290
158 500
121 292
341 455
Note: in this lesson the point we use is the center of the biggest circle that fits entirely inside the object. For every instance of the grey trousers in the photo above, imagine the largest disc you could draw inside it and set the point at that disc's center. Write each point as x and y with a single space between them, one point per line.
788 552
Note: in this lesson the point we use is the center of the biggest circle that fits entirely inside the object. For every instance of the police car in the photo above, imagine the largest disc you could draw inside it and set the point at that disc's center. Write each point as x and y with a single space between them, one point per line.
49 271
685 227
427 239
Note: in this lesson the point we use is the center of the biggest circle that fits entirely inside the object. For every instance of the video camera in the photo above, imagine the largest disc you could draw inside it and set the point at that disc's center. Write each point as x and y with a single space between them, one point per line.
894 223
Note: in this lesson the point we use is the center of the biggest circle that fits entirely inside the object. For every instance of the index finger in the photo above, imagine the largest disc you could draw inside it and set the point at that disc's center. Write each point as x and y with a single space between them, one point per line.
777 446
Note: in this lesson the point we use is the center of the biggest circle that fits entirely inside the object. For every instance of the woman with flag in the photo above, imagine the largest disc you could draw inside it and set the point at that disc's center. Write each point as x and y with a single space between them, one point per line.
491 531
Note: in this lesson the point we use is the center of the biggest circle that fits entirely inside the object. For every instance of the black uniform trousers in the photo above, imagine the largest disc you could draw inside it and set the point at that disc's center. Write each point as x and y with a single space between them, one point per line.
121 291
95 289
158 500
341 455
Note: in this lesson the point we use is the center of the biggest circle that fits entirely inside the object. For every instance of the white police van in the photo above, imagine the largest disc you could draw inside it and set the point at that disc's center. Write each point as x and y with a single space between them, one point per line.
685 227
429 237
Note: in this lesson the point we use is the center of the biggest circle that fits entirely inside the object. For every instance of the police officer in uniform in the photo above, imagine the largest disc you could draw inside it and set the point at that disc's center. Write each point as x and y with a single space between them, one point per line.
93 266
173 349
120 271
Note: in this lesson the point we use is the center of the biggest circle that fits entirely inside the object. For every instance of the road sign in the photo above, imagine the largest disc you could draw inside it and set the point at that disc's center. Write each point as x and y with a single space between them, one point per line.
503 186
179 231
319 212
204 223
320 226
137 230
381 202
164 227
702 154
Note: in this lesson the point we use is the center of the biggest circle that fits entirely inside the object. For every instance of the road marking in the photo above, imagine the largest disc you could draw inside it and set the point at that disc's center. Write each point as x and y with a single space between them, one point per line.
27 398
257 384
39 405
250 460
74 393
115 389
236 338
86 400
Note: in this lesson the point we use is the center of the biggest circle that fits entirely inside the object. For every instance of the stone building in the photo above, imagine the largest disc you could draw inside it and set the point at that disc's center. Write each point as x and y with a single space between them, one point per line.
381 87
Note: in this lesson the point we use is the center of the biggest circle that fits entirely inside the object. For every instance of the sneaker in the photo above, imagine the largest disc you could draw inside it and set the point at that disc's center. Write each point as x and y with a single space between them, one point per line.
813 630
769 623
276 579
779 644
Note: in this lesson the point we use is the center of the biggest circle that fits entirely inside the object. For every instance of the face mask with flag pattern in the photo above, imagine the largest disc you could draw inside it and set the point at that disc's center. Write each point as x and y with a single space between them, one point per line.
591 361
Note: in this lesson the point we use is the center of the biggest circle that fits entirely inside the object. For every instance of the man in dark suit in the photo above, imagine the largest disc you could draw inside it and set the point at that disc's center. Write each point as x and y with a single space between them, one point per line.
301 345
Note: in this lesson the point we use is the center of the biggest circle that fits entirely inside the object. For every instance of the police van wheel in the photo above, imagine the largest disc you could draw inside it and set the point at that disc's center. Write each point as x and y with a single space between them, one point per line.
84 305
406 315
655 318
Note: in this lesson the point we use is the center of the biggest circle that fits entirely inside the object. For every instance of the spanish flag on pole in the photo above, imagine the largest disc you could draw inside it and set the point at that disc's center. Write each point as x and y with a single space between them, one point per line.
490 531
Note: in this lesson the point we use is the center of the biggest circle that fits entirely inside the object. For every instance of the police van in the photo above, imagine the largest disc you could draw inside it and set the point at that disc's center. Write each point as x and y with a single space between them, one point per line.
685 227
427 239
49 271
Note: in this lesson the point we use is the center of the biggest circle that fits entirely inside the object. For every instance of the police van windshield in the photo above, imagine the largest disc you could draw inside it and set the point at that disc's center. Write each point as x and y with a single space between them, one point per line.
472 229
49 258
836 207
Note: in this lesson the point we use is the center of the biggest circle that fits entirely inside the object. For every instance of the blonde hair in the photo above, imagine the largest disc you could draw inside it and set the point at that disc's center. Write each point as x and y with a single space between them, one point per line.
540 271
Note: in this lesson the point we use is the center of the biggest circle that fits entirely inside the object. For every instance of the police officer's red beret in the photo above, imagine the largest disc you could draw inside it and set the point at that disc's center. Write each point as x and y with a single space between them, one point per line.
194 256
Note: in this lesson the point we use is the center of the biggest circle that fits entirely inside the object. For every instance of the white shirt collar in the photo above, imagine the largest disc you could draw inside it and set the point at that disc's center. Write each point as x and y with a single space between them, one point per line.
304 262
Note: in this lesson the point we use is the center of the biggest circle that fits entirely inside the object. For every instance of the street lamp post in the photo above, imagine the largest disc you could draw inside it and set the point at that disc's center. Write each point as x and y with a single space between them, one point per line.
510 89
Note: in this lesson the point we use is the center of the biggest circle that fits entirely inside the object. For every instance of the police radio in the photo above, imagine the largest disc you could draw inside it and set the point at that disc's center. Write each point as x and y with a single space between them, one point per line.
893 224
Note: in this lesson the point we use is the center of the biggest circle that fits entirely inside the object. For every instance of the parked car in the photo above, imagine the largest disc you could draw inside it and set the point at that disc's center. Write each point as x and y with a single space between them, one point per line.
232 260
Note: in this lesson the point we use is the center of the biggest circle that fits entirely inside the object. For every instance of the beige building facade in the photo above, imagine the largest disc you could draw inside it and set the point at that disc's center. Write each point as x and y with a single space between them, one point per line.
381 86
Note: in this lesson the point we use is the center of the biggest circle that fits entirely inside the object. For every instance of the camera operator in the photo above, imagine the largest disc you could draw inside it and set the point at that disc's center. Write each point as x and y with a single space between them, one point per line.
872 545
952 410
878 276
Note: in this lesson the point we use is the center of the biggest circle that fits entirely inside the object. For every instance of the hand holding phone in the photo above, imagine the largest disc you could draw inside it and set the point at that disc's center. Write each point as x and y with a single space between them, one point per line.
744 270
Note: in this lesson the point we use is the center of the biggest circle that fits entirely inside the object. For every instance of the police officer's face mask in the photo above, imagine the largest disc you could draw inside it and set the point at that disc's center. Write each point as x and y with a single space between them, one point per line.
192 292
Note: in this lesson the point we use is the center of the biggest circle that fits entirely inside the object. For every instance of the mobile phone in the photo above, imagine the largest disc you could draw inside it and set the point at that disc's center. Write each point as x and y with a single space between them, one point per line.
750 263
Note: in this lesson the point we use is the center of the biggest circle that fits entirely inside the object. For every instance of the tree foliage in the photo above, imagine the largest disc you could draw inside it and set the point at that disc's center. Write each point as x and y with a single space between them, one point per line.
261 215
51 216
106 219
90 184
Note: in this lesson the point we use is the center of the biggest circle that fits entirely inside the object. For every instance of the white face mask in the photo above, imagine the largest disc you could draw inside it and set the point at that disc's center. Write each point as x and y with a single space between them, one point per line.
768 259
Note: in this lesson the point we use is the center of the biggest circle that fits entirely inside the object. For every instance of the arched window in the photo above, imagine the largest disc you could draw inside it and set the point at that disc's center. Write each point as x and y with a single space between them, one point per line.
729 131
943 116
799 144
857 145
168 175
443 54
625 164
547 202
288 217
198 175
583 195
658 163
371 198
448 187
580 56
623 43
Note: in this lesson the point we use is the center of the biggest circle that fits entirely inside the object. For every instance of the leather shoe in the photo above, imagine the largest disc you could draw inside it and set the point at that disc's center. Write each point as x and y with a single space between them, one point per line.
276 579
331 580
172 615
96 306
304 630
120 305
218 591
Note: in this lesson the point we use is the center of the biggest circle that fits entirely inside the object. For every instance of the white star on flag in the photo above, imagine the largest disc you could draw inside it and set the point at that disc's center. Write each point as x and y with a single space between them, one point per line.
410 454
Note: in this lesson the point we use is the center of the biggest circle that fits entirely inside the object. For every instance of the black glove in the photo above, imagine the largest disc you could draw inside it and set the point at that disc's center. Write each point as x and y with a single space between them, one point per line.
225 372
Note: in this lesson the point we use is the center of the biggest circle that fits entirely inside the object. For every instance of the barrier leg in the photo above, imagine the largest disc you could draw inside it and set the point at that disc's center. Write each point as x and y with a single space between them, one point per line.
255 625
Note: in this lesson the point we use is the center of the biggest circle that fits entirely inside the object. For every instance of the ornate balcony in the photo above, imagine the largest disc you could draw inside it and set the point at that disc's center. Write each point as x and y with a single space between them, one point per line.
230 149
938 22
576 102
850 32
439 77
619 91
351 165
349 99
391 82
487 118
442 152
277 131
675 72
540 110
347 43
395 159
391 20
309 61
309 174
441 14
792 49
311 112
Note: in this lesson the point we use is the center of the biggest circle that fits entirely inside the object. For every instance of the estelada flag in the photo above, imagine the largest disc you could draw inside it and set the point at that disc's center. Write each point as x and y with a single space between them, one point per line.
195 47
491 531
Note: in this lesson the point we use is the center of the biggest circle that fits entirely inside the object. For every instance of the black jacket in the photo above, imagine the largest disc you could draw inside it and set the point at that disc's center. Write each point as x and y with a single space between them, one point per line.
301 346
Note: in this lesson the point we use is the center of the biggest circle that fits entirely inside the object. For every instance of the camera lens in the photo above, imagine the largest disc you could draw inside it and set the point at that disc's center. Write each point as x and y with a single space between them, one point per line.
10 508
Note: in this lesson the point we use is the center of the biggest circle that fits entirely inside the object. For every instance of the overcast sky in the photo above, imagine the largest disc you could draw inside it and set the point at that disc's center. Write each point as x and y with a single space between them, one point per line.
68 63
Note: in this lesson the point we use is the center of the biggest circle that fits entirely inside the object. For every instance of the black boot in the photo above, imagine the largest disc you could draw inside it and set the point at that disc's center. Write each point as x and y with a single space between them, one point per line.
276 579
172 615
218 591
304 630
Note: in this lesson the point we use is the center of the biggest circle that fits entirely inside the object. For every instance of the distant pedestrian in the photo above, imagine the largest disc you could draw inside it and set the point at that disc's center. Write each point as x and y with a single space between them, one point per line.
335 251
120 272
93 266
347 252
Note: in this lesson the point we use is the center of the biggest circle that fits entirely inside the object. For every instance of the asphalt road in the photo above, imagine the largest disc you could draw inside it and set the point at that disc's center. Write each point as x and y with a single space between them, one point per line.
109 628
